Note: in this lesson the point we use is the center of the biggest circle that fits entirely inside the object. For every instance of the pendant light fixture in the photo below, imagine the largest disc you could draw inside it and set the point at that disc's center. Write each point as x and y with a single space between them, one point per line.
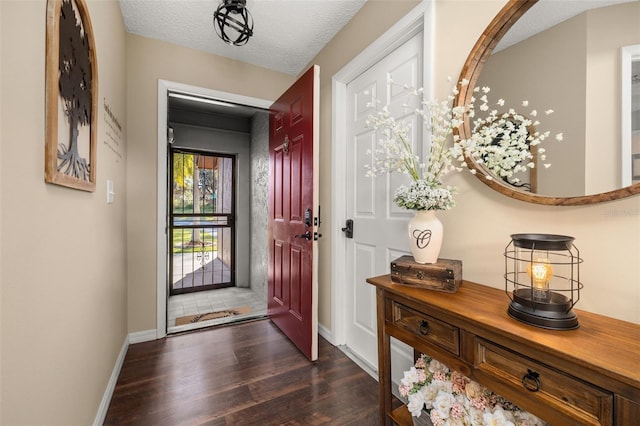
233 22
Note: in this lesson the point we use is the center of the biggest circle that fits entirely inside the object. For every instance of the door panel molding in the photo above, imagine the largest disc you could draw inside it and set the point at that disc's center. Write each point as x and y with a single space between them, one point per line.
293 194
420 19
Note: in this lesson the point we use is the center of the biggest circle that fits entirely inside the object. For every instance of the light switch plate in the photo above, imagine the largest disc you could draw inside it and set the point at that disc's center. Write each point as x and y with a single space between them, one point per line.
110 193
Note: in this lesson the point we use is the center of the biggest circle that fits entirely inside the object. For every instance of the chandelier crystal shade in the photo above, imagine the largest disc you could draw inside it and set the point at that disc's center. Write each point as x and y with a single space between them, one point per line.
233 22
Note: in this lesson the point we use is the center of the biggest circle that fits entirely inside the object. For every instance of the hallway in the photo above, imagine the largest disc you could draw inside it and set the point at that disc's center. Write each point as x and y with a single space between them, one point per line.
246 374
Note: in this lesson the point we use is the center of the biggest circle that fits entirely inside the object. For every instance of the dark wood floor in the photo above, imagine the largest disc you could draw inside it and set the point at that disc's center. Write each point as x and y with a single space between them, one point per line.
245 374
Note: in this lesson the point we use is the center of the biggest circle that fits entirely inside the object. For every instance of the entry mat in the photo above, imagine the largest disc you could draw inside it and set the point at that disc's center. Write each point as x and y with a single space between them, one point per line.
192 319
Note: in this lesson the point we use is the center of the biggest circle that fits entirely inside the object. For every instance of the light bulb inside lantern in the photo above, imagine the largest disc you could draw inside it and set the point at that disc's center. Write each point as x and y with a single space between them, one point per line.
540 272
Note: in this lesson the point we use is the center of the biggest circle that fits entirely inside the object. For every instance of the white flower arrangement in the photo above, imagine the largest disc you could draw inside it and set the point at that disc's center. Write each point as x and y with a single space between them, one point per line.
451 399
502 143
421 195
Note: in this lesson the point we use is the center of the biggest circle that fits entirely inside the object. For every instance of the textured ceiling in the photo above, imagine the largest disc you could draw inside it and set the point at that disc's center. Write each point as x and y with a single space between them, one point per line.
547 13
287 33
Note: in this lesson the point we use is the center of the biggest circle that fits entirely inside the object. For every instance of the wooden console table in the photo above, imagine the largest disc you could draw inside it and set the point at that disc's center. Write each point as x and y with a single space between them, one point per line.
588 376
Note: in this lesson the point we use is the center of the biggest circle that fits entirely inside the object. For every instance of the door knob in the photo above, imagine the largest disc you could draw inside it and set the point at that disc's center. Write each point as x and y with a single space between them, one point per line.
348 229
307 235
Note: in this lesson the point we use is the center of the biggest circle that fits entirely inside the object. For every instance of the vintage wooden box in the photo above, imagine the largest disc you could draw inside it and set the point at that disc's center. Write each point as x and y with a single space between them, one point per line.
445 275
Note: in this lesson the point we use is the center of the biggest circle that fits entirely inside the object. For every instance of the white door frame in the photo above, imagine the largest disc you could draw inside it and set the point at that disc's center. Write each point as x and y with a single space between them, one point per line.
421 18
164 87
629 54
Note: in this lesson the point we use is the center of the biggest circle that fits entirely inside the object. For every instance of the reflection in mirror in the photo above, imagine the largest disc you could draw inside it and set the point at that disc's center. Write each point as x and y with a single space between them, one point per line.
527 179
572 65
630 65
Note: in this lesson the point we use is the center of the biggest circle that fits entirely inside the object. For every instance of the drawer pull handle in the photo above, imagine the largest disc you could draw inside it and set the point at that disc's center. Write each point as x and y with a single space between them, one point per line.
531 381
424 327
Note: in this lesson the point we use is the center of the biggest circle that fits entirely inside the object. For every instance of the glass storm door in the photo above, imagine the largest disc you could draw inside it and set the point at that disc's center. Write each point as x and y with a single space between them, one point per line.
202 212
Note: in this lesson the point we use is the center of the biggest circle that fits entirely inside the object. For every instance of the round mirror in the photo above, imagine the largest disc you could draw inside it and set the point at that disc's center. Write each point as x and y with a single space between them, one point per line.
573 62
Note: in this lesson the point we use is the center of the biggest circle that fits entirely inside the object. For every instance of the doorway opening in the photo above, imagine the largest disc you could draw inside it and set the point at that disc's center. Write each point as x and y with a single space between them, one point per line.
213 178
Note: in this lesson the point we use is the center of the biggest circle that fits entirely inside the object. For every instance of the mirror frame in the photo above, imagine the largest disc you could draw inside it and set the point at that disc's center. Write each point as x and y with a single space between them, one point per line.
481 51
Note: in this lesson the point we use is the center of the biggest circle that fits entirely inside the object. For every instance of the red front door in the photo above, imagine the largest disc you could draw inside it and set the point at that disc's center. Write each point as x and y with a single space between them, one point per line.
293 213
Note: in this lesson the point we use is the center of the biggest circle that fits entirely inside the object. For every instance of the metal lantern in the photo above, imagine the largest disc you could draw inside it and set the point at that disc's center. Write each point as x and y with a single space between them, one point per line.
233 22
542 279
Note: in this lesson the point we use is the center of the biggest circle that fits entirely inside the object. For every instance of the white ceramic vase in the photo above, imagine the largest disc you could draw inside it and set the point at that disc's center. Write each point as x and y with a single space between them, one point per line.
425 236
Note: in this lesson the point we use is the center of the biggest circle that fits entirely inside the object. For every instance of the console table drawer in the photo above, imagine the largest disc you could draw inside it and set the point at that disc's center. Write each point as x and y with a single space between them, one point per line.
427 328
576 399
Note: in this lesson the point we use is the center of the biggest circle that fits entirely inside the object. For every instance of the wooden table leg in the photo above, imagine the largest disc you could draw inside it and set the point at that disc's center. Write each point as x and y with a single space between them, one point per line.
384 361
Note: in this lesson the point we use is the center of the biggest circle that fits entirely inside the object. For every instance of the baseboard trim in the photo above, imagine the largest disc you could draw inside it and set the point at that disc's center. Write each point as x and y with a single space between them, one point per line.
325 333
131 338
142 336
368 368
111 385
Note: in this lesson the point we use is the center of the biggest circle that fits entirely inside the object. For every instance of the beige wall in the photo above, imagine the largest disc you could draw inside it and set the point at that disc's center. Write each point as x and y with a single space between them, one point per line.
608 29
147 61
478 228
555 76
63 283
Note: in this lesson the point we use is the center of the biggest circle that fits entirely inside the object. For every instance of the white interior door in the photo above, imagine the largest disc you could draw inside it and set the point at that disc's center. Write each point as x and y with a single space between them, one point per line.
379 226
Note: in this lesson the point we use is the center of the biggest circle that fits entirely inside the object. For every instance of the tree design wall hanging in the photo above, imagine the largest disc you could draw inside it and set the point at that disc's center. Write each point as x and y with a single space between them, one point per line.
72 96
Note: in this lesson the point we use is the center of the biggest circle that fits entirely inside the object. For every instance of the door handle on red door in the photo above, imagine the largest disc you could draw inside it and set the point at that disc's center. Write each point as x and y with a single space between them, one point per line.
307 235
